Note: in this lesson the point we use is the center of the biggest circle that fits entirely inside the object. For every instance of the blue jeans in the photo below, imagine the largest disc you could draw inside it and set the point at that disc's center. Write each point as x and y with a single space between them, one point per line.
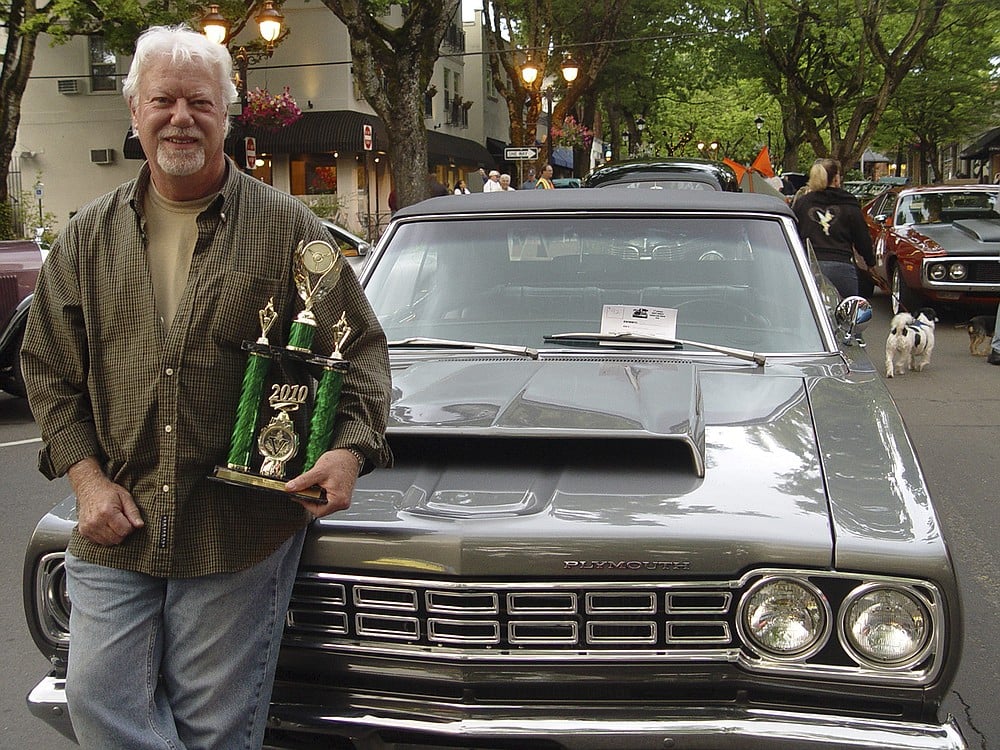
175 663
844 276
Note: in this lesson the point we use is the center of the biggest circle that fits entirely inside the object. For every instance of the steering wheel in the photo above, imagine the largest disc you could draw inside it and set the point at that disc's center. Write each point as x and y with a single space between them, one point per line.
721 312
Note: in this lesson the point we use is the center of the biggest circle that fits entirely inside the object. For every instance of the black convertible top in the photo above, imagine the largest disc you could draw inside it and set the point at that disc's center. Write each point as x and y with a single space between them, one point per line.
590 199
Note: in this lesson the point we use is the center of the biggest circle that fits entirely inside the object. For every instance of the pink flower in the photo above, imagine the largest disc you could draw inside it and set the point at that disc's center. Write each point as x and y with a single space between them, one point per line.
269 112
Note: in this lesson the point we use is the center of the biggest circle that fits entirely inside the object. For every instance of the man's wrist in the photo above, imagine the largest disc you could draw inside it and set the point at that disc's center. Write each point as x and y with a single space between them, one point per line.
358 455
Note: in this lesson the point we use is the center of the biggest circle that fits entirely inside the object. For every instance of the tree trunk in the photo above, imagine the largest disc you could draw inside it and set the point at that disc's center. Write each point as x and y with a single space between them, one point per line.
393 67
19 57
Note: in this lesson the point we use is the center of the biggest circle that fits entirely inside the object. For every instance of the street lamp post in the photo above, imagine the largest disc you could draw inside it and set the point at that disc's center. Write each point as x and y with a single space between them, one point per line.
269 22
759 122
529 74
712 148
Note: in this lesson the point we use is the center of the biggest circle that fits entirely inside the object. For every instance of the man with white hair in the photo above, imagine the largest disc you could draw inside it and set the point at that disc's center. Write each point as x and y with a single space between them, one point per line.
492 184
133 363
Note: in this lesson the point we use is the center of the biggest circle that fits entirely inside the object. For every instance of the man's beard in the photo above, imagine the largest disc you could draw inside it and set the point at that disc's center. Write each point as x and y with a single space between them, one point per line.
179 163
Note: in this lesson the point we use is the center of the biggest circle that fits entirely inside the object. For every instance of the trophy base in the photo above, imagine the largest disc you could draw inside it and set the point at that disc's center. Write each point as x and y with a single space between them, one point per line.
244 479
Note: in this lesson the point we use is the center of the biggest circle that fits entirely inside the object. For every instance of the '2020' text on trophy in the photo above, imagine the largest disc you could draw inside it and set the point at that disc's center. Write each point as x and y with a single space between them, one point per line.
296 406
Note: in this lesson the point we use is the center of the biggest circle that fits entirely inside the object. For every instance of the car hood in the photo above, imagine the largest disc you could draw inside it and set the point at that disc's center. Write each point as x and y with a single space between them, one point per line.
514 467
967 236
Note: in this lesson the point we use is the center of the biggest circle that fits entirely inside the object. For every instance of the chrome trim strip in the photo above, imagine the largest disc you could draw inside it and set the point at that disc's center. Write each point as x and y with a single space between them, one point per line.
733 729
435 631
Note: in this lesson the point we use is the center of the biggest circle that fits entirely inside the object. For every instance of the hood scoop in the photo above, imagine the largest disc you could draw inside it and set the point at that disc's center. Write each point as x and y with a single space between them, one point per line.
983 230
521 428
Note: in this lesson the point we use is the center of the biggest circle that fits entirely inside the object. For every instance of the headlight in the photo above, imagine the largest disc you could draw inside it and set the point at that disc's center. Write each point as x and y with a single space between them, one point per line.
938 272
51 599
957 271
784 618
886 627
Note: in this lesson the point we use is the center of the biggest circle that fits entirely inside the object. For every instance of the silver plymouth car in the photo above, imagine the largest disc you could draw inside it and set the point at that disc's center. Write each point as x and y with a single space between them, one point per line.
649 492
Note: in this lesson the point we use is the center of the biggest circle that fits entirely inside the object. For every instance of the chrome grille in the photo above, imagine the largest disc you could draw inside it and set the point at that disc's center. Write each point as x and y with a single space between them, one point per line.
535 617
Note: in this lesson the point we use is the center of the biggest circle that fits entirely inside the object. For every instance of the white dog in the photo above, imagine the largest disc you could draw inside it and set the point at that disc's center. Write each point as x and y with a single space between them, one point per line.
910 342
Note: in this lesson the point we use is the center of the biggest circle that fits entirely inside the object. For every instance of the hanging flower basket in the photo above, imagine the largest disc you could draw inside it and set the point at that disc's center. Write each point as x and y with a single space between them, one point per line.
571 134
269 112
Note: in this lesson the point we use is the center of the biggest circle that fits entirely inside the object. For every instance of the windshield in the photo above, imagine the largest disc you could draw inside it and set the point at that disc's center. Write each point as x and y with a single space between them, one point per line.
731 281
946 207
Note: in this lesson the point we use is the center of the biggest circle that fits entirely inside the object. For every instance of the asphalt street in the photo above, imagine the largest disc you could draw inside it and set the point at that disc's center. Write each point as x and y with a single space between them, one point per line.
952 410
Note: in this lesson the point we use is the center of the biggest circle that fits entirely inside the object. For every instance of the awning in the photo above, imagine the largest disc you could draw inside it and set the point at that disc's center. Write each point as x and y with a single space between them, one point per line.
982 146
562 156
873 157
445 149
323 132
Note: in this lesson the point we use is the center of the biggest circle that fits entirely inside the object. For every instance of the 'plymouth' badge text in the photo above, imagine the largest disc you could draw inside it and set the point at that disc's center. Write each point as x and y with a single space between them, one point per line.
626 564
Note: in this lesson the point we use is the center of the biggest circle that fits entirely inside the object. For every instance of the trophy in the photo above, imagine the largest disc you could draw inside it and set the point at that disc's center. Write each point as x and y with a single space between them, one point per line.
264 448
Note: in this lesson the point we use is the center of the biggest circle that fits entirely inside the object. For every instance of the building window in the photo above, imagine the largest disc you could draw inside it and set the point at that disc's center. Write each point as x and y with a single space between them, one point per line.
313 174
103 65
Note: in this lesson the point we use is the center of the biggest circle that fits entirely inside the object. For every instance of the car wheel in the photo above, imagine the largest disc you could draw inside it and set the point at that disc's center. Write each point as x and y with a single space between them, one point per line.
13 380
903 298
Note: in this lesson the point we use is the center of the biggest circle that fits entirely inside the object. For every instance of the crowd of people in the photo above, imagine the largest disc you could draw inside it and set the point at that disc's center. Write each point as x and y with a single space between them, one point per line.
496 182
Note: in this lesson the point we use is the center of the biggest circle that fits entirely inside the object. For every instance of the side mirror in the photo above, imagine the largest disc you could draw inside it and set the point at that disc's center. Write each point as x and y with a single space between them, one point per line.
853 316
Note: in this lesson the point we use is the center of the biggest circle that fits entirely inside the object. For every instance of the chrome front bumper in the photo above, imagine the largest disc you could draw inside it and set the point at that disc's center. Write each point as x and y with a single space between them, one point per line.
576 729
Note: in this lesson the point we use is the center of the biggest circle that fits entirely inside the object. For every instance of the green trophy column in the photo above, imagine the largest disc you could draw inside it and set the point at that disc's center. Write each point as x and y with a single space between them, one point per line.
300 337
324 412
246 413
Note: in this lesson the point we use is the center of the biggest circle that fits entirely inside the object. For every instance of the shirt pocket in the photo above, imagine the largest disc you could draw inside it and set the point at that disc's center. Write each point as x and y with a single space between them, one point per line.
239 303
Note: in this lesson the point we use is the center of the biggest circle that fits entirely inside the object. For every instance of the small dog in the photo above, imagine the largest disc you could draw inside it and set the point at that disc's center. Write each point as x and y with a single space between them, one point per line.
910 342
980 330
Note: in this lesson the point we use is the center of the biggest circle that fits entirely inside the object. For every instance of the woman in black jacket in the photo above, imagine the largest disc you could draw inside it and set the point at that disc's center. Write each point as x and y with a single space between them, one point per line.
830 219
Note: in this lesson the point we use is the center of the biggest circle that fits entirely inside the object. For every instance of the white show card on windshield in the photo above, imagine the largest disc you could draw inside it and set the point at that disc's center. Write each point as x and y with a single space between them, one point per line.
639 320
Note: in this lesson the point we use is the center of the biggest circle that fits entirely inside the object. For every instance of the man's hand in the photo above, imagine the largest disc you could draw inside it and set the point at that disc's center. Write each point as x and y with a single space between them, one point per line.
107 513
335 472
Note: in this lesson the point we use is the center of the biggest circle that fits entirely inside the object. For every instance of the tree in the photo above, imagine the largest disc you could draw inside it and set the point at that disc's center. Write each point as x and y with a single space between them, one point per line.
840 64
545 28
18 59
952 94
393 67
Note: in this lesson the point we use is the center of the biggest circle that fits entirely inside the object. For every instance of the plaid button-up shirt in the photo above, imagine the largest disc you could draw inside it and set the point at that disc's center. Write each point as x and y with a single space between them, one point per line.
155 406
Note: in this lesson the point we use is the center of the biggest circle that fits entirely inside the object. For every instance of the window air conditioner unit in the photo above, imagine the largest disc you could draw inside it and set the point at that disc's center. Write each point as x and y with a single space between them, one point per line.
102 155
68 86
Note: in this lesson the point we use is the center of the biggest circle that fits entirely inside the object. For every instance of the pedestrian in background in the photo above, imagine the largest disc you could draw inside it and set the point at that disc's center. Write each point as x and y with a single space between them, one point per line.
545 181
461 188
434 186
505 182
133 363
529 180
829 218
492 184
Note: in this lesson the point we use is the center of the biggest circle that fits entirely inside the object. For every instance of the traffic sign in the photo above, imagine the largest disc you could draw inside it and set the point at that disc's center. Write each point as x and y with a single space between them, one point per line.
250 146
516 154
368 137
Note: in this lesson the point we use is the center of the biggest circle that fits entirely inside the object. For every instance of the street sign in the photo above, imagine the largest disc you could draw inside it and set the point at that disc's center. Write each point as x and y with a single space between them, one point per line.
368 137
518 154
250 146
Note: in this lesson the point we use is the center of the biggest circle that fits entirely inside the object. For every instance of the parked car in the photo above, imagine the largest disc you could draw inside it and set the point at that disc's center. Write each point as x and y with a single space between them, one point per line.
951 257
354 249
664 173
864 190
20 261
644 495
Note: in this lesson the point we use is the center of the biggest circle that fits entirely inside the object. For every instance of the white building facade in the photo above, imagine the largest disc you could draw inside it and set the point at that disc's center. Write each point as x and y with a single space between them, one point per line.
72 141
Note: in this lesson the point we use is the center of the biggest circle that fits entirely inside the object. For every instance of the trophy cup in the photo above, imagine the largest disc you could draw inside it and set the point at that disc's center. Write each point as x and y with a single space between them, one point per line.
295 406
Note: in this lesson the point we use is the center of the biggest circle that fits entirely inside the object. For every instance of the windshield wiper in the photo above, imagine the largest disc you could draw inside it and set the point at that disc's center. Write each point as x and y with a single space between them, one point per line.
655 342
522 351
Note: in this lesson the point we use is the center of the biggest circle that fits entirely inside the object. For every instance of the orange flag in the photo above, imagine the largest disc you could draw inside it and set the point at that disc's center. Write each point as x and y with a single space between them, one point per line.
738 168
762 163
